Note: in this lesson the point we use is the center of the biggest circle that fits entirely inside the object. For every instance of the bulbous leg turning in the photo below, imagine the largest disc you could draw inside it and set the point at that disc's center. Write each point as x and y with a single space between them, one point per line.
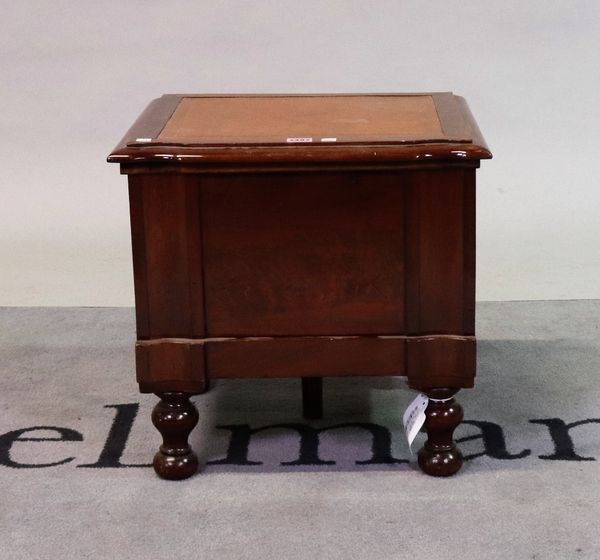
440 456
175 417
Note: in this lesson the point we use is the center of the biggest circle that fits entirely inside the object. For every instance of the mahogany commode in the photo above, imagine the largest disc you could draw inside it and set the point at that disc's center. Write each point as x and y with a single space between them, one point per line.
303 236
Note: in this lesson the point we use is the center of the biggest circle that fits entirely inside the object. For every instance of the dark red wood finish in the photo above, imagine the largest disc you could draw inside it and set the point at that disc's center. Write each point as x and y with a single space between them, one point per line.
175 417
440 456
305 261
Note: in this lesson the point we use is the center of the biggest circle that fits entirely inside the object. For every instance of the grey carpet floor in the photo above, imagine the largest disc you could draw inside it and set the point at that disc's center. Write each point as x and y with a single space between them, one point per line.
78 486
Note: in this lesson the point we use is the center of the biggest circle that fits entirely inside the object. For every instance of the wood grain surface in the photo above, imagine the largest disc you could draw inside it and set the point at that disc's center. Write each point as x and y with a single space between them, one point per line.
303 236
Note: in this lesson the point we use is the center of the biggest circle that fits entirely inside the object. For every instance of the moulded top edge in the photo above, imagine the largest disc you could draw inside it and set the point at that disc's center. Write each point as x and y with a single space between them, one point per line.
302 127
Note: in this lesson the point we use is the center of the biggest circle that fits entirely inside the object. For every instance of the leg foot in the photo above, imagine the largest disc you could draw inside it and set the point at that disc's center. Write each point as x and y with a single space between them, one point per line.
175 417
440 456
312 397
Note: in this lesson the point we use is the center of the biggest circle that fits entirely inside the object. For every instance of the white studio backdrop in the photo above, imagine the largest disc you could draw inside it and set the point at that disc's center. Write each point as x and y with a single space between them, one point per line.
75 74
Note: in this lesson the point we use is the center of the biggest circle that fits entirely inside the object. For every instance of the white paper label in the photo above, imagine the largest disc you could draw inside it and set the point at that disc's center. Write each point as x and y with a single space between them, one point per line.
414 417
294 140
143 139
329 139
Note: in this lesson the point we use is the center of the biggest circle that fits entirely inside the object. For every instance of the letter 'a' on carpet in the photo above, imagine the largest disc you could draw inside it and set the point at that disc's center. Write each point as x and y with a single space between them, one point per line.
76 442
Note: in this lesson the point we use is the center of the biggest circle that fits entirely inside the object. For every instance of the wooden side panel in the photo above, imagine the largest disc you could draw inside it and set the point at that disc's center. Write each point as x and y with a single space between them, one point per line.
167 252
469 252
304 254
438 253
138 245
320 274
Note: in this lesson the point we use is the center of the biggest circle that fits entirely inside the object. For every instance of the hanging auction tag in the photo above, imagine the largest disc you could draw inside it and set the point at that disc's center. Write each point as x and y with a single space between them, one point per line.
414 417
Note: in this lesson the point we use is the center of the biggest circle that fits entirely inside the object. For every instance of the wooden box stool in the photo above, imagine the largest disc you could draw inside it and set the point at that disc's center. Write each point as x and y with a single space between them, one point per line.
303 236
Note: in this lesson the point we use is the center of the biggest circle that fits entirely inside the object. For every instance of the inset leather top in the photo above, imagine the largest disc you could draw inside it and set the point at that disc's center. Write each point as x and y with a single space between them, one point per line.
234 129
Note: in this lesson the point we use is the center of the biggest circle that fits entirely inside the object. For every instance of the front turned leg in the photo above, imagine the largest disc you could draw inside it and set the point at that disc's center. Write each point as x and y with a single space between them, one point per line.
175 417
440 456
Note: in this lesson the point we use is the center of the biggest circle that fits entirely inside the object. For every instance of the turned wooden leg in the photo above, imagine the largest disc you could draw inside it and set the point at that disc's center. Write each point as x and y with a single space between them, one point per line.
440 456
175 417
312 397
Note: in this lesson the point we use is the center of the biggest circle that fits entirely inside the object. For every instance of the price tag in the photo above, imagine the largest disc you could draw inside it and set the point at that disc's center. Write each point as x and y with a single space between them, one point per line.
414 418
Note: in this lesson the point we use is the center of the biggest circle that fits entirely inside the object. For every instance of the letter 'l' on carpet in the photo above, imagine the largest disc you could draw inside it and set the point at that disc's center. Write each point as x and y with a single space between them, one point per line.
76 441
